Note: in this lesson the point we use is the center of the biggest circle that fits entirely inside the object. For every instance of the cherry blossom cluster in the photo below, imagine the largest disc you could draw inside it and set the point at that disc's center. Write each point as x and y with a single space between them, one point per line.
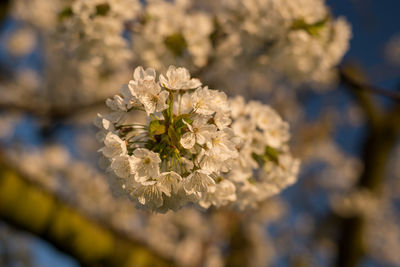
265 165
299 39
182 38
92 30
187 148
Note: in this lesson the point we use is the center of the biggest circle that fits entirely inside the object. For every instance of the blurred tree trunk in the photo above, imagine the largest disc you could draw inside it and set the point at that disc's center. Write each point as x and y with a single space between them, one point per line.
4 6
28 207
383 131
239 243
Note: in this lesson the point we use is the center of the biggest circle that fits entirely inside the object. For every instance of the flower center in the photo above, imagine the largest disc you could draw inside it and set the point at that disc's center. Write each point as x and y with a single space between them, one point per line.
147 161
155 98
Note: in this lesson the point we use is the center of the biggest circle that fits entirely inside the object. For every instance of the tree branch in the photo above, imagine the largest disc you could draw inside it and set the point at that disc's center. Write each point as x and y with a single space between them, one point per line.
357 84
29 208
383 133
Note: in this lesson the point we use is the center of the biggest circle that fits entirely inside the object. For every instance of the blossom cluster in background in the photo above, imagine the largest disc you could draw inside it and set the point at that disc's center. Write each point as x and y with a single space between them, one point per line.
297 41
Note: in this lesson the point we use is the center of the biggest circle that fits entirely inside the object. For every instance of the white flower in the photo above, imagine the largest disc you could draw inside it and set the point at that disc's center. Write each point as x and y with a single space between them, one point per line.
258 142
150 194
202 101
237 106
219 194
129 99
197 182
103 123
108 121
276 137
244 128
184 104
178 79
222 120
266 117
247 195
114 146
149 93
170 181
210 161
284 174
140 74
199 132
221 144
117 103
206 102
218 100
122 166
154 100
146 164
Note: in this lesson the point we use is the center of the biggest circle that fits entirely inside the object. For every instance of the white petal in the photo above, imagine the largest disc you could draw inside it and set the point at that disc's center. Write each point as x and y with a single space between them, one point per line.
122 166
138 73
170 181
199 181
188 140
161 103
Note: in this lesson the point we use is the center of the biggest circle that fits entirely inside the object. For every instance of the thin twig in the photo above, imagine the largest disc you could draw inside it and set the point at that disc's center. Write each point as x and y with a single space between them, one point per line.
359 85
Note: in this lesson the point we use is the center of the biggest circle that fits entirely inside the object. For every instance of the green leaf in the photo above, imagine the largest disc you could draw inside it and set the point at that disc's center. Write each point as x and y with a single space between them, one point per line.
65 13
179 125
102 9
260 160
184 116
156 128
176 43
272 154
219 179
252 180
312 29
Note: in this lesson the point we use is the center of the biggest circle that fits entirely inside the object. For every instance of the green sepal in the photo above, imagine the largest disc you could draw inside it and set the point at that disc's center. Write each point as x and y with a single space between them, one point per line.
272 154
176 43
312 29
156 128
179 125
173 135
259 159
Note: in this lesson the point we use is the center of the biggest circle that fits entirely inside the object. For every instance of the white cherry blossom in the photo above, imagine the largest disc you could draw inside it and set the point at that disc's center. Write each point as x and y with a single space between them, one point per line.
178 79
199 132
114 146
198 182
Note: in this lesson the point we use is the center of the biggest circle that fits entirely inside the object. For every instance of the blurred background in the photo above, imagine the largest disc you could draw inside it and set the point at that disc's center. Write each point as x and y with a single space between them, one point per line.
338 89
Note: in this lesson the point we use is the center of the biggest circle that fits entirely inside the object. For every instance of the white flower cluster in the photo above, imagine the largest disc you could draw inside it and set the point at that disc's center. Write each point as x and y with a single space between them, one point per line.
187 147
264 166
299 39
42 14
296 39
172 32
92 30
